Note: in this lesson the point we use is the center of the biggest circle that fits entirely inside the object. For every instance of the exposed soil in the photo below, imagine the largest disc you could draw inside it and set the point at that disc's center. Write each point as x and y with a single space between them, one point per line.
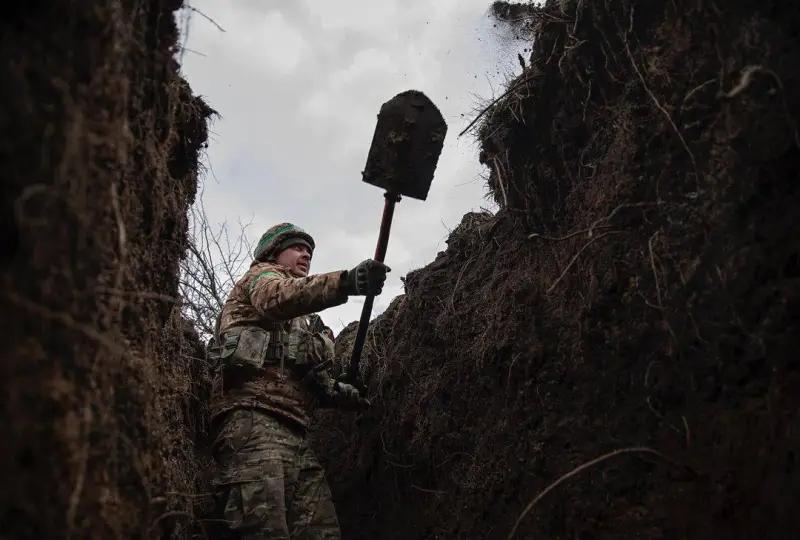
639 290
99 146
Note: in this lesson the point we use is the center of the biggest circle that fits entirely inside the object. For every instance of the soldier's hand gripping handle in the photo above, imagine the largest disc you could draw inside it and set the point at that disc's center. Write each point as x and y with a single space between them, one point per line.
347 396
366 279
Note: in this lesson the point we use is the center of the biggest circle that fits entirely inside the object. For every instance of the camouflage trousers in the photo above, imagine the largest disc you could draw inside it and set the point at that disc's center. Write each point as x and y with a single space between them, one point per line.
270 485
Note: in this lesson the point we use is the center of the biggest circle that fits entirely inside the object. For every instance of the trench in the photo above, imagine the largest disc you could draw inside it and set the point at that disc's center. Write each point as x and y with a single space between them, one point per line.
610 355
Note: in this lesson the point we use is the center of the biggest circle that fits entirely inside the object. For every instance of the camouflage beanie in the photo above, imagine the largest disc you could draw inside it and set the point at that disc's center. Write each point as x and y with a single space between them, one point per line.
278 238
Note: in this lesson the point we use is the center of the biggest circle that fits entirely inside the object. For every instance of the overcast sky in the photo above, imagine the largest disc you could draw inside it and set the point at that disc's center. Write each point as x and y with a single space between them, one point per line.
298 85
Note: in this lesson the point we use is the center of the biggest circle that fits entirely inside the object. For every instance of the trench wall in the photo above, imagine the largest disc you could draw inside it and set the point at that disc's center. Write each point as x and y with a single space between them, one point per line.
635 299
99 138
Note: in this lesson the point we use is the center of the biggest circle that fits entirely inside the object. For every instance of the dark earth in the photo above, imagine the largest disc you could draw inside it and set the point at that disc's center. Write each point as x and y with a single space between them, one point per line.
99 145
613 354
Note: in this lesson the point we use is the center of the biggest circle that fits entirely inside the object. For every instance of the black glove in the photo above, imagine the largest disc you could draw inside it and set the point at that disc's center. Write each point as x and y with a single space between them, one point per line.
347 396
366 279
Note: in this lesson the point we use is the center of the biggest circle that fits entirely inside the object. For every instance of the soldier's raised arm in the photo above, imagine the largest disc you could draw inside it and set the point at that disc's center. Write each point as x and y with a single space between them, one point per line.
280 289
278 296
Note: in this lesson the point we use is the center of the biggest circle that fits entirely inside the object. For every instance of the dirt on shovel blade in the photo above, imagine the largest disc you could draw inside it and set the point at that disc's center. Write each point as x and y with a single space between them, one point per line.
406 145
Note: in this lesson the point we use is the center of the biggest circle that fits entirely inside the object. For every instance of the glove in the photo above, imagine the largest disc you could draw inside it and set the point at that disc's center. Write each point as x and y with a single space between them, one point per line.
366 279
347 396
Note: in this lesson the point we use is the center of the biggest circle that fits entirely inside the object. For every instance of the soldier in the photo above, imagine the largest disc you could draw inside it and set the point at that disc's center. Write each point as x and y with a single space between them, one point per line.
275 357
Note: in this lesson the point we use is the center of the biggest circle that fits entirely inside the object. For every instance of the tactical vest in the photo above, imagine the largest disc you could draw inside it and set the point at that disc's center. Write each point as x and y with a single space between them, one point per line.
259 368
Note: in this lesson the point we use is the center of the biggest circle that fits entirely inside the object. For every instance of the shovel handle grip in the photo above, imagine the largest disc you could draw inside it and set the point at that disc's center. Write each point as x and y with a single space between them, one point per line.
386 225
366 311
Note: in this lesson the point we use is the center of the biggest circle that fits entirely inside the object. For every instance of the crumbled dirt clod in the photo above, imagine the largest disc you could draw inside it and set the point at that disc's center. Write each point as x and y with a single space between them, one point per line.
638 288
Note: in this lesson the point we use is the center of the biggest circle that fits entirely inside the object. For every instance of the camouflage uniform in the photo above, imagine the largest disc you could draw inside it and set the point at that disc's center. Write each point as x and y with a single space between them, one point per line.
269 483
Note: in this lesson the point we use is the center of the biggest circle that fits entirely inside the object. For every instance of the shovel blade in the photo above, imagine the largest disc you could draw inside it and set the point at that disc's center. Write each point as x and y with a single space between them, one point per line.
406 145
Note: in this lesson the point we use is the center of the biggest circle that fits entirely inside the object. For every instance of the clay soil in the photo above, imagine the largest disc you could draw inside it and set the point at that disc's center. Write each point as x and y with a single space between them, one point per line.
99 145
635 299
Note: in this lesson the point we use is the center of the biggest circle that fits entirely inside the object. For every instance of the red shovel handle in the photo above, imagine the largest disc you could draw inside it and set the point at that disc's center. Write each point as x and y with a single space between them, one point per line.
366 311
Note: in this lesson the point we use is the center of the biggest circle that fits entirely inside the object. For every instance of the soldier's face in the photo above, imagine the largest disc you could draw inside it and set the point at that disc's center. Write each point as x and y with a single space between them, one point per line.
297 258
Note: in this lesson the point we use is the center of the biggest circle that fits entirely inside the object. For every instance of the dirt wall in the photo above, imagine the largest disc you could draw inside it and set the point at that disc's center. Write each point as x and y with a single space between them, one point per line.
99 138
635 299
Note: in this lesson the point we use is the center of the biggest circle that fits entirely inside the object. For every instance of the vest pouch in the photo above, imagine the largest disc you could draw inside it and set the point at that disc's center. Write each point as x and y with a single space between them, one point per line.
245 348
213 354
308 350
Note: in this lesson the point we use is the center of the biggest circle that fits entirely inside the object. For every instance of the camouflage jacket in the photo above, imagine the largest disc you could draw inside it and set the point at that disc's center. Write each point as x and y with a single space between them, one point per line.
294 376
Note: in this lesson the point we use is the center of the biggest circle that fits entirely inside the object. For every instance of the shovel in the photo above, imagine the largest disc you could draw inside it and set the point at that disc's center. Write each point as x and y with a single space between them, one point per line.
405 149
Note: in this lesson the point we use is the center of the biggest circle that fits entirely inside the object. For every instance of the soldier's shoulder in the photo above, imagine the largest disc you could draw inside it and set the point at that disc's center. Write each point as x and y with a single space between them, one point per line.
261 271
259 268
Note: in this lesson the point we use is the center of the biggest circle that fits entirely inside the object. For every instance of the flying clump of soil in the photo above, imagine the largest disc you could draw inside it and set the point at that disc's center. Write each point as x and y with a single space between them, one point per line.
613 354
102 390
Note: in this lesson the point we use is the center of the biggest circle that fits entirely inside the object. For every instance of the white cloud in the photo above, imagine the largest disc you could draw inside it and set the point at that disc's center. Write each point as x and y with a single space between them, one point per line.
299 84
247 42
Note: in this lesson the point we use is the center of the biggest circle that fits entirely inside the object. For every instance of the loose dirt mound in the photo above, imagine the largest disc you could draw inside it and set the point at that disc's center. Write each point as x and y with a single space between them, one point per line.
640 287
99 149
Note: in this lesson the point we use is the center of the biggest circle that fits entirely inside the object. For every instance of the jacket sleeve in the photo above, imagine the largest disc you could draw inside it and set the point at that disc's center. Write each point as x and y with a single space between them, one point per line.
278 297
314 361
322 383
